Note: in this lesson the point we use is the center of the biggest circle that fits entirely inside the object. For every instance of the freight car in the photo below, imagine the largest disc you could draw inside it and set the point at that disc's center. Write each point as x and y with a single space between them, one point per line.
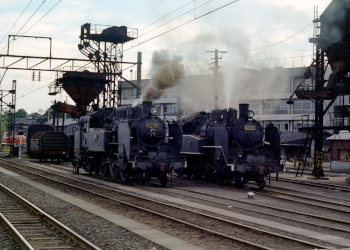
50 145
33 129
129 143
220 147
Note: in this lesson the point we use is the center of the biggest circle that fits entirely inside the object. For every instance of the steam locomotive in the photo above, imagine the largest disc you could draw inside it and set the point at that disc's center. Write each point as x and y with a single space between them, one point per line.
220 147
128 142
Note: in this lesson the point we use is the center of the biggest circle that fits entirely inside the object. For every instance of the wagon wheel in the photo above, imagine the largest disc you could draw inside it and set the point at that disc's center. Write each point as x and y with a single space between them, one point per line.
113 169
104 168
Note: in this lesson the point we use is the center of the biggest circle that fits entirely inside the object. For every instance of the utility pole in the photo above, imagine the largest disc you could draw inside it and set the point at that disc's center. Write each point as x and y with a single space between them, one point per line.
216 76
139 64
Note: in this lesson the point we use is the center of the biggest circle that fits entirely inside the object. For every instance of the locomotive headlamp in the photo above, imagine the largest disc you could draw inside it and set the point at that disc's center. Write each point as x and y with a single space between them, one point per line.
154 110
250 114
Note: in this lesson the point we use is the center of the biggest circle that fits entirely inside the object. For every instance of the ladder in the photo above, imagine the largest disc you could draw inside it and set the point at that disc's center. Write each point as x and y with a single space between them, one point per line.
305 151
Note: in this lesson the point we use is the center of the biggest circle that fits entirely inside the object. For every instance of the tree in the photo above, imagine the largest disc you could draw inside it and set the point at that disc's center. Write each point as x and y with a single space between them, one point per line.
35 115
21 113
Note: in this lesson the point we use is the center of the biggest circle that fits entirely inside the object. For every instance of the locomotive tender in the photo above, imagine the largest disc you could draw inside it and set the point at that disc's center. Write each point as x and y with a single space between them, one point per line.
128 142
219 146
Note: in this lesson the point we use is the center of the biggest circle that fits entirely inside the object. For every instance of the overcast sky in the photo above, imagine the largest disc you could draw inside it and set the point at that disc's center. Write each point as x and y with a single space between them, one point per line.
248 29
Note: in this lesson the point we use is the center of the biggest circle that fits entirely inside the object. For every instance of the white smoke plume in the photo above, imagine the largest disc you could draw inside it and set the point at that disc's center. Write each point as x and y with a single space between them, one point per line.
166 72
232 64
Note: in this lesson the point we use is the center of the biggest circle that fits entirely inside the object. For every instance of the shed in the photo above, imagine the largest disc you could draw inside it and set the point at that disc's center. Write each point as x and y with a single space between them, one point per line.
340 151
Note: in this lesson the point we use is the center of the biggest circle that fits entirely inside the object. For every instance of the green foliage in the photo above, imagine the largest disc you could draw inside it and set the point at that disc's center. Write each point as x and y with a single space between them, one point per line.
4 121
35 115
21 113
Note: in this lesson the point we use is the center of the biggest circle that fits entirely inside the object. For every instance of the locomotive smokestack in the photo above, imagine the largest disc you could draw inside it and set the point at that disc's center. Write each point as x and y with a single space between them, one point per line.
243 110
166 73
146 107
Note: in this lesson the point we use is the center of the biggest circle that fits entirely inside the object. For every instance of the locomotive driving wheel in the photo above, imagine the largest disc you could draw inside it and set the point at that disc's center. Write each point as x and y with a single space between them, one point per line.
238 179
113 170
141 176
261 182
123 176
104 168
163 178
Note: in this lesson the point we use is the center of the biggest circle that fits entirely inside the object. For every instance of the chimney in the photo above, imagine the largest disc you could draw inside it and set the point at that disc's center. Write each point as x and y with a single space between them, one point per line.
243 111
146 107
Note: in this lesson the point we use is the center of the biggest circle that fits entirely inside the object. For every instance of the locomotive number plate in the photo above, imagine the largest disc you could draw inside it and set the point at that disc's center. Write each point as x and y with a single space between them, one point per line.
249 127
152 125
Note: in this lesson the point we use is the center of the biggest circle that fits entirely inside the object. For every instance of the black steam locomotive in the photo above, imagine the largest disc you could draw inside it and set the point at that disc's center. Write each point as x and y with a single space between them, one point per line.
128 142
219 146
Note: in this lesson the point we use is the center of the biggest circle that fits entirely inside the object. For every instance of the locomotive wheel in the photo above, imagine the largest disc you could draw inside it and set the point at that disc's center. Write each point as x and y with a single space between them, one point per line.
141 176
113 170
261 182
238 180
123 176
104 169
163 179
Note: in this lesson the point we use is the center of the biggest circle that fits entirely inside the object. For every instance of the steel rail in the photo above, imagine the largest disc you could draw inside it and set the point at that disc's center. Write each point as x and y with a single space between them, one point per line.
323 185
170 205
81 241
22 242
270 207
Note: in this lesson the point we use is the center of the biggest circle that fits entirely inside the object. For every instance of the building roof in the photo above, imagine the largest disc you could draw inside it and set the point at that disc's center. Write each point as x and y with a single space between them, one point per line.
296 138
292 138
342 136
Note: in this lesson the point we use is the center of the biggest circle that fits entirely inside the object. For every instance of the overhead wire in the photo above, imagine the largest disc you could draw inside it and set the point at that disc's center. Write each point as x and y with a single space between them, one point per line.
177 17
282 41
16 21
42 17
181 25
26 22
167 15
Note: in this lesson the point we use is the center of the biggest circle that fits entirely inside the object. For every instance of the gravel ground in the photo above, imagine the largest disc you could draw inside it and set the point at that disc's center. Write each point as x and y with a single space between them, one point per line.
101 232
6 240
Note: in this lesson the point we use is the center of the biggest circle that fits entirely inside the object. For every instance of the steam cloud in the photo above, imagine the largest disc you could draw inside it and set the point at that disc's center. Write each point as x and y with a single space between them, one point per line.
166 73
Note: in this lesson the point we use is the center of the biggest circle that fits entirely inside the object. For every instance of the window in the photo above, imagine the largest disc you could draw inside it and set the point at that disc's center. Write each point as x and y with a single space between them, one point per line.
170 108
343 155
304 107
255 107
280 125
129 93
276 107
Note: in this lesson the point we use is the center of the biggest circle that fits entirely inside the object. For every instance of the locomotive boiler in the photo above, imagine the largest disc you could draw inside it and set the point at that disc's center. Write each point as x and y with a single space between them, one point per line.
220 147
128 143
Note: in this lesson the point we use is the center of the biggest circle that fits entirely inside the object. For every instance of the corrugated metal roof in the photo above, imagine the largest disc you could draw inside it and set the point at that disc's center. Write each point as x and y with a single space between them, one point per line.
342 136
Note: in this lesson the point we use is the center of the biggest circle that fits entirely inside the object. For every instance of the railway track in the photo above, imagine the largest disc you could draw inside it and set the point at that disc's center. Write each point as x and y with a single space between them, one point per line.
315 184
292 216
33 229
211 223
